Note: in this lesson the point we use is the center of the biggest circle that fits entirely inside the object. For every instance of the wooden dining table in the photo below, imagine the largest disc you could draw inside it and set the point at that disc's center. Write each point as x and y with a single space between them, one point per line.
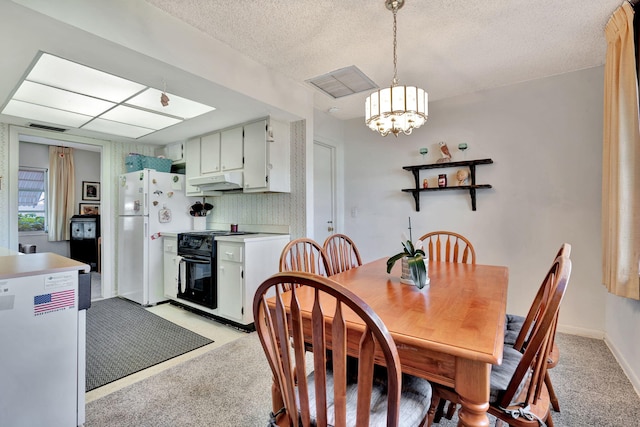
449 332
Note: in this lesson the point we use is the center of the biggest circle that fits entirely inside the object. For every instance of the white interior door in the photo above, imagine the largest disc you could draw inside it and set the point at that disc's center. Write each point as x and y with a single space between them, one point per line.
324 191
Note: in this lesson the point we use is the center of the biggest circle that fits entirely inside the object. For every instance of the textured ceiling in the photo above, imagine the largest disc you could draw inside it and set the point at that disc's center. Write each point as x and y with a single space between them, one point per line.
447 47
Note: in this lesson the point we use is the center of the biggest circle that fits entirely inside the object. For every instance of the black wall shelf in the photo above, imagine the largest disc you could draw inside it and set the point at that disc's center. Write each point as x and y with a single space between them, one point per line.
472 176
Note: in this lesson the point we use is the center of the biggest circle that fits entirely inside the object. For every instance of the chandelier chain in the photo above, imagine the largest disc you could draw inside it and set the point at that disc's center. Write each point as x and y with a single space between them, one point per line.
395 46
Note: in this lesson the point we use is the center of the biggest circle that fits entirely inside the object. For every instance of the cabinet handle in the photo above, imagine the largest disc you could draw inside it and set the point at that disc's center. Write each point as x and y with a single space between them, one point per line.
229 254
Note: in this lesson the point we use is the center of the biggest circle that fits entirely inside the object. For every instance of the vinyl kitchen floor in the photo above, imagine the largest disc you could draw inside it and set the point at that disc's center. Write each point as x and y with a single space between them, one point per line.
219 333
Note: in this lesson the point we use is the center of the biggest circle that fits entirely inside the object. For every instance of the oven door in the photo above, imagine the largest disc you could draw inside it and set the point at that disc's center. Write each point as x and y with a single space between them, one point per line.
196 282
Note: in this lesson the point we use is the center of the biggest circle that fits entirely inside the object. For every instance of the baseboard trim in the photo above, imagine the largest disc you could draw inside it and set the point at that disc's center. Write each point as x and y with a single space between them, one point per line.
626 368
583 332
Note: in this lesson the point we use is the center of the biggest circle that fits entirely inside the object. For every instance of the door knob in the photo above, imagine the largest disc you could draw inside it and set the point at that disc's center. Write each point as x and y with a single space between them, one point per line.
330 226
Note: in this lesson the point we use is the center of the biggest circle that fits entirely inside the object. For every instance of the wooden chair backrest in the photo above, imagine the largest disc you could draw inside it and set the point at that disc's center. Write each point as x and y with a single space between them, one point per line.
279 325
545 292
305 255
449 247
534 358
341 252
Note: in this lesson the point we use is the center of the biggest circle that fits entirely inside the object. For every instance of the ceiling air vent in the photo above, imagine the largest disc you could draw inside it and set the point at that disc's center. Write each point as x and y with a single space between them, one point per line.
45 127
343 82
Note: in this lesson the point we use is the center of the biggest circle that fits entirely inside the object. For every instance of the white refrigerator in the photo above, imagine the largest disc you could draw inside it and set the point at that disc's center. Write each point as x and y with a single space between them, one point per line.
150 203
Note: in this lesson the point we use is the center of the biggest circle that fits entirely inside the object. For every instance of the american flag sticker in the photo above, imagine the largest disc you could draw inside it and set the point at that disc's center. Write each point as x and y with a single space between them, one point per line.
55 301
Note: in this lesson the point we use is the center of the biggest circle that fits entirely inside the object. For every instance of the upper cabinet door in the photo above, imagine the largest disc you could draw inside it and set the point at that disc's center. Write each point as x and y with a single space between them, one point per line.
255 143
231 149
210 153
192 166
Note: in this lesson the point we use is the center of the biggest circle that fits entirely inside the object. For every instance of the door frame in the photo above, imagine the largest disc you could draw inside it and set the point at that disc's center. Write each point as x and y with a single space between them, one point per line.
337 187
106 204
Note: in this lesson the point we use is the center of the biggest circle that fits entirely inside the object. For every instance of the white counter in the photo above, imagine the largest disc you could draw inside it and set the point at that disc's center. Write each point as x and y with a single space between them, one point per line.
249 237
40 263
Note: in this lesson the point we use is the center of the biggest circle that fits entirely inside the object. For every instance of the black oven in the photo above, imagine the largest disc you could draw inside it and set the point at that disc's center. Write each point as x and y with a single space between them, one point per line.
197 268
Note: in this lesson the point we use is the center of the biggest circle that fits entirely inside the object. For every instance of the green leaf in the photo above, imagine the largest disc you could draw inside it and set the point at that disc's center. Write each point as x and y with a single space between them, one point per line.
418 270
391 261
408 247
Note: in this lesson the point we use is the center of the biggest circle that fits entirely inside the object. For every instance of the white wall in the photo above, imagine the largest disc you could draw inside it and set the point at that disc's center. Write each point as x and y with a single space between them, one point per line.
545 139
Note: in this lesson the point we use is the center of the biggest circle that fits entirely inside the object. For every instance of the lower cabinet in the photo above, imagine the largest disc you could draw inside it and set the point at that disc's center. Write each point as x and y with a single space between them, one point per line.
244 262
230 280
170 266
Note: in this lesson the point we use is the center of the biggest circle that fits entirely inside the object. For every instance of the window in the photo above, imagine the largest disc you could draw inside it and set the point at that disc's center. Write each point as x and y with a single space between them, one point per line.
32 199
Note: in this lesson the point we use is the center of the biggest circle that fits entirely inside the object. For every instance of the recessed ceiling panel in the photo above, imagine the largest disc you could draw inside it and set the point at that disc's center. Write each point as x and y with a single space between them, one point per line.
37 93
179 107
116 128
44 114
57 72
136 117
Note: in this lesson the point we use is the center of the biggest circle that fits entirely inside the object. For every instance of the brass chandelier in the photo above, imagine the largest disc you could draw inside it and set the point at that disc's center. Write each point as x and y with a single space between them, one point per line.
396 108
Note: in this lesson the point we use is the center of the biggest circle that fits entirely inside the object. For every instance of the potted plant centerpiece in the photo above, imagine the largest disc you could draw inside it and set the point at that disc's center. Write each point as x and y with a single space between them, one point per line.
414 267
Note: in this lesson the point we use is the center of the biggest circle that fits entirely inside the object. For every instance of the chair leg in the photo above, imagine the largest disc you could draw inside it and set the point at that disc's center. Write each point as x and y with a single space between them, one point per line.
549 421
439 410
451 410
552 393
435 403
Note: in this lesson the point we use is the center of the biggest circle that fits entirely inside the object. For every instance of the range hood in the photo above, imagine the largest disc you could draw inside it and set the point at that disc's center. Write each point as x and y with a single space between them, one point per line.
218 182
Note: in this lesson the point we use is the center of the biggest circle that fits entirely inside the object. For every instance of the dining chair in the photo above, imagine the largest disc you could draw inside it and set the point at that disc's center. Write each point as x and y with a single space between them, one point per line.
517 331
449 247
325 395
518 394
306 255
342 253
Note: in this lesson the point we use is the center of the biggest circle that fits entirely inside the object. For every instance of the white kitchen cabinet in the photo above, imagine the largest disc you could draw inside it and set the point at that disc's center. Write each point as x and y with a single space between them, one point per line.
210 153
170 266
192 166
244 262
231 149
230 285
267 157
173 151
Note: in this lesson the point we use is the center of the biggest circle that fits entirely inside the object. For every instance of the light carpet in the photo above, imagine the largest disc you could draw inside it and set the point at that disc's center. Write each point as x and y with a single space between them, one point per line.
231 386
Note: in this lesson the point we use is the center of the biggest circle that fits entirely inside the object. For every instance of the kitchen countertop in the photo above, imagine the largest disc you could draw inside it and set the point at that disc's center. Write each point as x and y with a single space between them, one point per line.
40 263
174 234
249 237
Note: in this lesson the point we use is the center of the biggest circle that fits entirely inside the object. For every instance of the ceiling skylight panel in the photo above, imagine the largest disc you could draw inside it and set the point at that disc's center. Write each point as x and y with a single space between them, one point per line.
179 107
57 72
44 114
136 117
116 128
36 93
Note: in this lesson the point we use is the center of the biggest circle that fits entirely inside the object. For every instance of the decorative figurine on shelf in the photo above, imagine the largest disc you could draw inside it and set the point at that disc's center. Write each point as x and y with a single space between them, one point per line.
462 175
444 150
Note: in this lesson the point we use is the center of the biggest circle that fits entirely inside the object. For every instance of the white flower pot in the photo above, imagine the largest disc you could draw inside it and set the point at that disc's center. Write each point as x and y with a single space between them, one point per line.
406 273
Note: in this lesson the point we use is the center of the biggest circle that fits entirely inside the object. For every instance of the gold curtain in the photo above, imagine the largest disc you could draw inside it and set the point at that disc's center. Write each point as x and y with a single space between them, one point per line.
621 160
61 195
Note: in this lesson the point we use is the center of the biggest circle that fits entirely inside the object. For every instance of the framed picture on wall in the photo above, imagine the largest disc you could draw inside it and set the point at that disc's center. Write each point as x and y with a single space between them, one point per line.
90 191
89 209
